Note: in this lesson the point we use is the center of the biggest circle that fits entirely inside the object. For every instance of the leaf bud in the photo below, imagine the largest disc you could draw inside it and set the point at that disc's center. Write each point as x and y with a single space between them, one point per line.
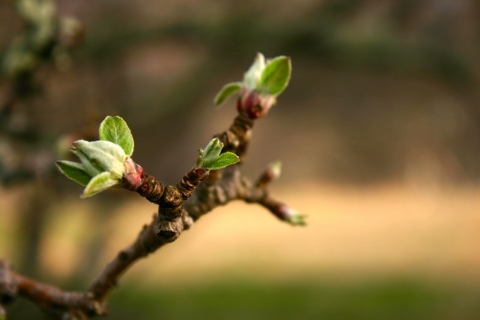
101 156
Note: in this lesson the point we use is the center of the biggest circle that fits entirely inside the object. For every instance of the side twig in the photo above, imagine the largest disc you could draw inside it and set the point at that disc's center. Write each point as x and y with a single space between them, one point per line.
179 207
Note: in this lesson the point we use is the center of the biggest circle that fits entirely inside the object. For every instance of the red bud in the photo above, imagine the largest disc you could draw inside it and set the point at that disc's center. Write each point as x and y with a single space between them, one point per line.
140 171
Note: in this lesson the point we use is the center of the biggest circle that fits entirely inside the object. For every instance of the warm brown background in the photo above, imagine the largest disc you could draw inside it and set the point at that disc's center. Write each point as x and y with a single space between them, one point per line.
379 134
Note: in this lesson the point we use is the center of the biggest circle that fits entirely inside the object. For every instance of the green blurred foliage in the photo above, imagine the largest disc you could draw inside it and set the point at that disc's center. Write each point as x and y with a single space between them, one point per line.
397 299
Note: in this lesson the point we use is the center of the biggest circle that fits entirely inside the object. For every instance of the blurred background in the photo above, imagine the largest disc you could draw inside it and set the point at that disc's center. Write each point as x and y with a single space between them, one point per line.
378 132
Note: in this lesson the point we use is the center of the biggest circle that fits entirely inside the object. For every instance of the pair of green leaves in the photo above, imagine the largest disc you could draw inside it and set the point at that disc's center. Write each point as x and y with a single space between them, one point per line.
269 78
102 162
211 159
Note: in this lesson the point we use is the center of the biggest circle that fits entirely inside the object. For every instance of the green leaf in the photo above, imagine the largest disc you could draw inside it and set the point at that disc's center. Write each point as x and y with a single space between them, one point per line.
74 171
275 76
253 76
297 220
211 152
224 160
226 92
100 156
116 130
99 183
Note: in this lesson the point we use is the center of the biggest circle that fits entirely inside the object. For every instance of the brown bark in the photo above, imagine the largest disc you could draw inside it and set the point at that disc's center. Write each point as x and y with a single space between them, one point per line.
178 207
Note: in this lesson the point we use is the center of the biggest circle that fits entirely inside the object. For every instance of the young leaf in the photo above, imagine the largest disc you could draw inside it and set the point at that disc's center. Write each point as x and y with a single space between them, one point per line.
224 160
99 183
297 220
211 152
116 130
213 146
74 171
275 76
226 92
100 156
254 74
291 216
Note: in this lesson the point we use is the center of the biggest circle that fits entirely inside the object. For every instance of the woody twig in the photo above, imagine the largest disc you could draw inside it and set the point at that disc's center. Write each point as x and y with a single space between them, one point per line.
216 179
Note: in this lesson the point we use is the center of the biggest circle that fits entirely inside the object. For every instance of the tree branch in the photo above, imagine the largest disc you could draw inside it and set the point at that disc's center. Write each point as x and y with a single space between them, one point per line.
178 207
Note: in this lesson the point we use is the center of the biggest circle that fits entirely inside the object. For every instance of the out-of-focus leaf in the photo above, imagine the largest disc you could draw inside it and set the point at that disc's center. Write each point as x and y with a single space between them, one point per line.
275 76
226 92
253 76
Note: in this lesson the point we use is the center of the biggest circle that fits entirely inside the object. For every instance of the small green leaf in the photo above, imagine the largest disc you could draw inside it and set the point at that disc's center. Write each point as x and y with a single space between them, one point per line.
74 171
253 76
199 162
297 220
212 146
100 156
99 183
224 160
116 130
275 76
226 92
211 152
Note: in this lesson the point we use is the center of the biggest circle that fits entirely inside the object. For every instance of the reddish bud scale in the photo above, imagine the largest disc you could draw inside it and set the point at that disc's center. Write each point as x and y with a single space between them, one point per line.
134 181
239 105
250 104
270 174
133 176
202 173
283 212
254 105
254 112
140 171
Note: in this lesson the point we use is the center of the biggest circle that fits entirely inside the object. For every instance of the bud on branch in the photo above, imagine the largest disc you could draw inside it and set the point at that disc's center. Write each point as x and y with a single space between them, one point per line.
107 162
211 159
261 86
104 162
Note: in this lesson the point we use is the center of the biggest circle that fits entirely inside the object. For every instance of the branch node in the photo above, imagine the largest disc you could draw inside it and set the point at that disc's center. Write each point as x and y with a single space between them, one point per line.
187 220
171 204
171 197
151 189
170 213
168 231
123 256
220 195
